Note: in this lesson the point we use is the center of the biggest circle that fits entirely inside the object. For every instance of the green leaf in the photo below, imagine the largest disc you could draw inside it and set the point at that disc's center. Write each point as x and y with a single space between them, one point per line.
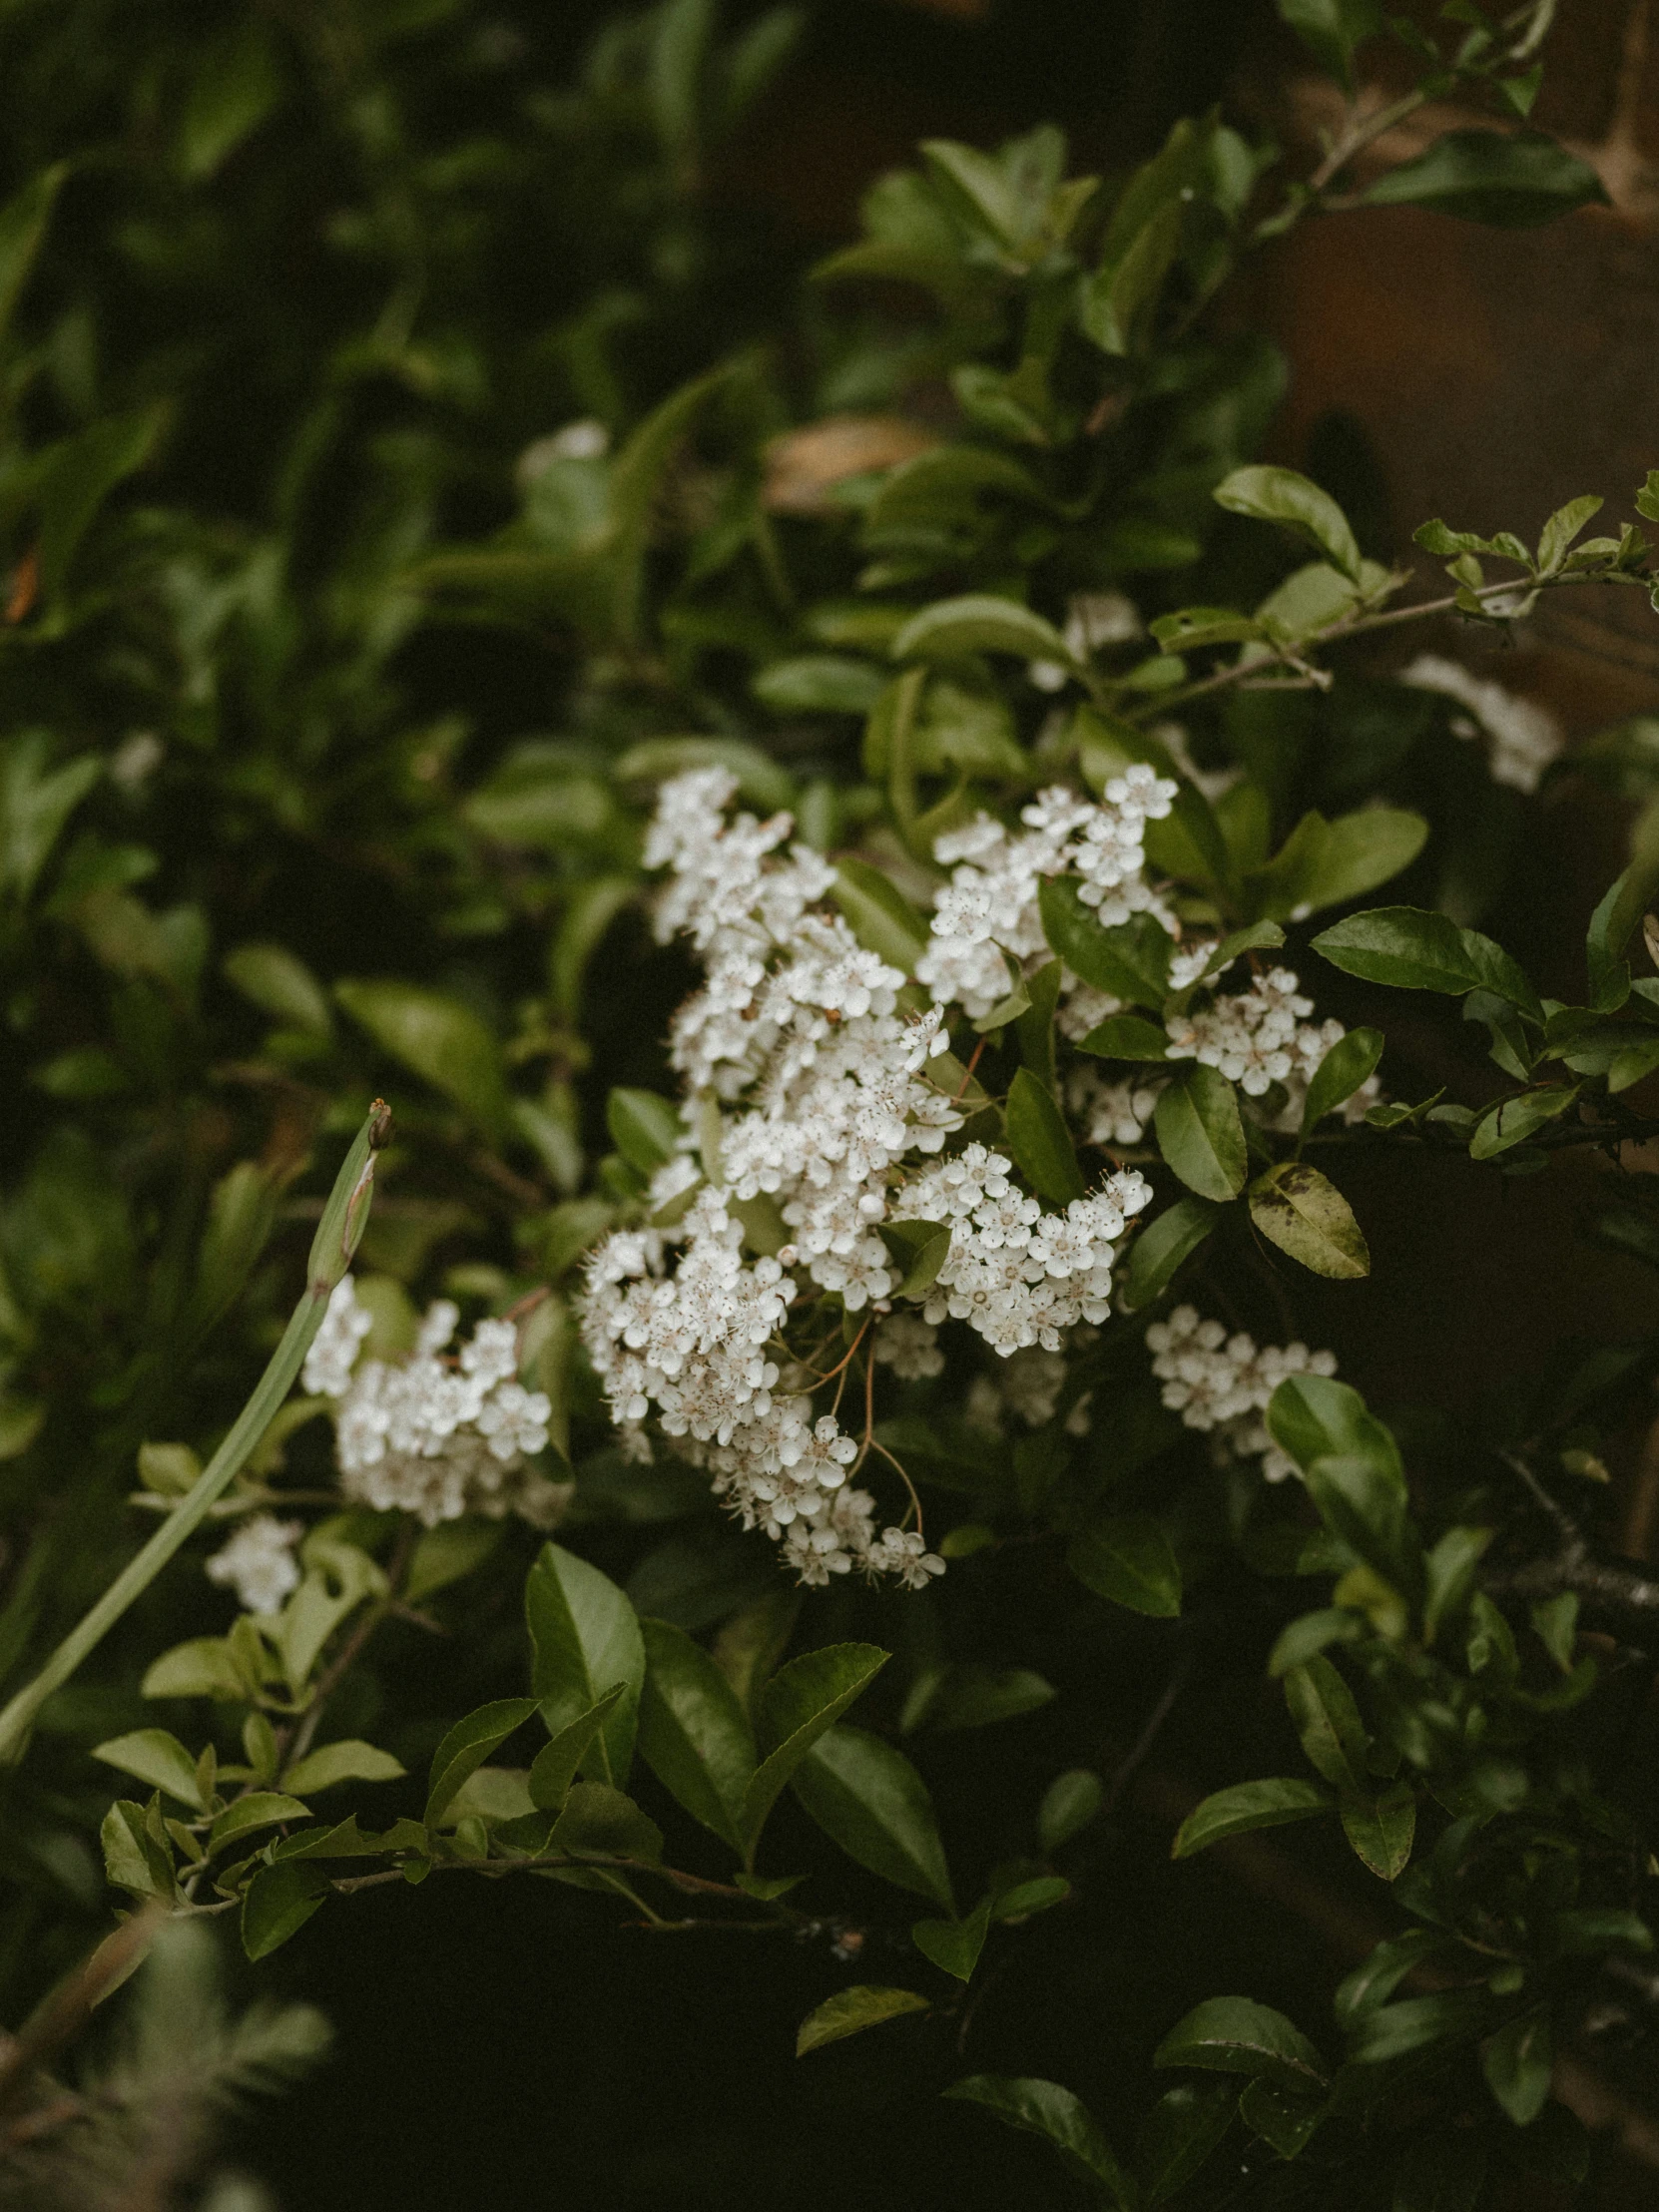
259 1809
1026 1898
879 916
818 682
866 1797
918 1250
1326 1720
1513 1120
1273 494
801 1703
438 1039
1237 1811
1313 1417
1510 178
1179 2133
587 1641
1199 1133
1126 1037
1061 2119
694 1734
75 479
1621 909
1303 1214
1401 946
273 978
1331 30
953 629
850 2012
954 1946
276 1904
1279 2117
204 1667
1361 851
555 1766
1129 1559
1360 1503
467 1744
1131 961
348 1761
154 1756
35 804
1041 1141
601 1822
136 1856
1237 2035
236 83
643 1128
1351 1061
1516 2063
1160 1248
1116 305
23 222
1071 1801
974 1696
1381 1828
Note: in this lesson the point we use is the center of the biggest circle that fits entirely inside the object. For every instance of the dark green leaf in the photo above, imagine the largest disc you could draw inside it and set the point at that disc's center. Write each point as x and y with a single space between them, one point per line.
1313 1417
918 1250
1044 2109
278 1902
1159 1249
1279 2117
1513 1120
1381 1828
1326 1718
1350 1062
555 1766
466 1746
1129 1559
1041 1141
1180 2132
865 1796
954 1946
953 629
439 1039
1273 494
1331 30
850 2010
1131 960
1511 179
587 1639
1516 2063
1126 1037
1199 1134
879 916
801 1703
1247 1805
1070 1803
643 1128
1237 2035
694 1735
601 1822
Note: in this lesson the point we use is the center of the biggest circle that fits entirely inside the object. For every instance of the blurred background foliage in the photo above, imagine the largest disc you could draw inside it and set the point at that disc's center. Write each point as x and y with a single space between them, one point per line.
389 482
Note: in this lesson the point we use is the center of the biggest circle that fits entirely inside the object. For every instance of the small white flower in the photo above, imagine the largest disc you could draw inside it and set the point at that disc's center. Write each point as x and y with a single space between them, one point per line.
259 1564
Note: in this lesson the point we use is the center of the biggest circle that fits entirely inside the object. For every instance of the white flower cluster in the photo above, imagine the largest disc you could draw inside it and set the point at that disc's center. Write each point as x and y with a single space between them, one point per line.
433 1435
1522 736
1019 1276
259 1564
990 905
1260 1037
1111 1113
799 1034
1222 1384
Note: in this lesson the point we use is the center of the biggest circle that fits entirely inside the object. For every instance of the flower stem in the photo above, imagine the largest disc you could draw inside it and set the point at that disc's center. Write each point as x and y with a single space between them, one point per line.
344 1219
